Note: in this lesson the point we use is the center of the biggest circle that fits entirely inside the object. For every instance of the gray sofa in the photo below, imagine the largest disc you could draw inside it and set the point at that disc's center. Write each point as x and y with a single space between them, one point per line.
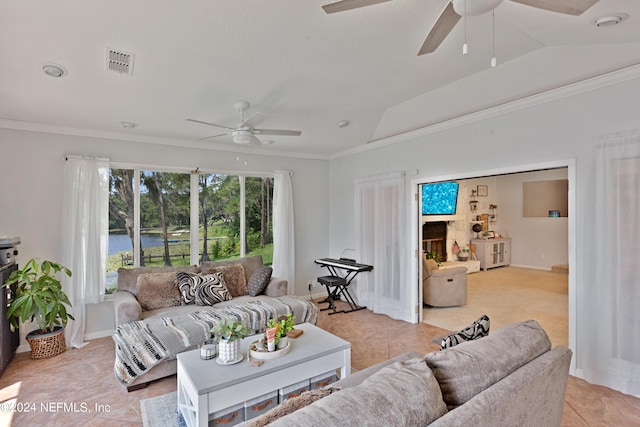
509 378
148 295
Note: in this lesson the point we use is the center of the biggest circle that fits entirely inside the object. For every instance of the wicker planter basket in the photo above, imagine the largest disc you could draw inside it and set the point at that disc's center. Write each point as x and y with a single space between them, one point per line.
47 345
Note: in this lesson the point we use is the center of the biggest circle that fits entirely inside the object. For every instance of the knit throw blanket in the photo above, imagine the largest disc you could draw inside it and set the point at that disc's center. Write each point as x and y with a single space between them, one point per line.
143 344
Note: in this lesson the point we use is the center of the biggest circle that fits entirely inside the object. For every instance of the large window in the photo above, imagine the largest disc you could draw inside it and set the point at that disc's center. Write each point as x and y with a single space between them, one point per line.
150 219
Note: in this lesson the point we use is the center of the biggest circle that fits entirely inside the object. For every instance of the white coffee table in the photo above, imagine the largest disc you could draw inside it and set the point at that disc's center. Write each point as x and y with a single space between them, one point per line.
205 387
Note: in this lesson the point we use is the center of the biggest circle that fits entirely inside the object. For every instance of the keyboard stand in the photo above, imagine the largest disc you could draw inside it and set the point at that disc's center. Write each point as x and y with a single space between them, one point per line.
336 287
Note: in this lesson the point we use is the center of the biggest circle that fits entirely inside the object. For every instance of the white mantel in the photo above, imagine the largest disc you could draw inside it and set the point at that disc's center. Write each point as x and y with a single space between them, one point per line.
446 218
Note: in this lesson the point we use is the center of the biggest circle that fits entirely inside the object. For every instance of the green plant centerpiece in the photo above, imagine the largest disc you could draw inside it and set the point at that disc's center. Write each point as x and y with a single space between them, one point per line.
230 332
38 297
284 323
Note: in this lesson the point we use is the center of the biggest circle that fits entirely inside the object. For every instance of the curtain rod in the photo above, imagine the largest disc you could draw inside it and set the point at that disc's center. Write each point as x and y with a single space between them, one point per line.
75 156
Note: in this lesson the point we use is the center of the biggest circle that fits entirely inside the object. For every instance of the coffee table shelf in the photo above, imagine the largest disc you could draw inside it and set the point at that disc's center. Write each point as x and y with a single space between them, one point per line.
205 388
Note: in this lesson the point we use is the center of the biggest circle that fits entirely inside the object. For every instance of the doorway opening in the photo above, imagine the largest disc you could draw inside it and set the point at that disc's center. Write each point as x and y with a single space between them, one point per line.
504 216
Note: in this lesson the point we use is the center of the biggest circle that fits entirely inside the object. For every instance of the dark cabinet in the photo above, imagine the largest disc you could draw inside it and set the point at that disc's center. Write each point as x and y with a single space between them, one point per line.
9 340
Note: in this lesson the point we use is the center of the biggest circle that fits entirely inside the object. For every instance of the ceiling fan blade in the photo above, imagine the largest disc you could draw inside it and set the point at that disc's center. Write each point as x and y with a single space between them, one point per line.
280 132
254 120
212 136
443 26
208 124
255 140
341 6
568 7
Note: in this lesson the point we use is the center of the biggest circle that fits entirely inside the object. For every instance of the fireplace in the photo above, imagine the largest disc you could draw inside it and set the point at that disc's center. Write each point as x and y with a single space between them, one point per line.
434 239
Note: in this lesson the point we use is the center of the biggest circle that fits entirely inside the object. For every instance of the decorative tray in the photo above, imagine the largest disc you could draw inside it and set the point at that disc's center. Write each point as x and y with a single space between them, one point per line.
265 355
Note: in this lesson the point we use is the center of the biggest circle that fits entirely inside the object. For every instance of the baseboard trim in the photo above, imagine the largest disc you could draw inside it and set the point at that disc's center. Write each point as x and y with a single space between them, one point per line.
98 334
311 296
532 267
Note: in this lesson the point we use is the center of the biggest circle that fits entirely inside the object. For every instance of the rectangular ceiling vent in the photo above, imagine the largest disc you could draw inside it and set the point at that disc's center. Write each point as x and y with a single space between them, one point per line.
119 61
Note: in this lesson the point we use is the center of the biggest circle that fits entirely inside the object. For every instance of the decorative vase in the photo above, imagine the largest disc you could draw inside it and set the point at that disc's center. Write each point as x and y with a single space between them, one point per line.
283 342
228 351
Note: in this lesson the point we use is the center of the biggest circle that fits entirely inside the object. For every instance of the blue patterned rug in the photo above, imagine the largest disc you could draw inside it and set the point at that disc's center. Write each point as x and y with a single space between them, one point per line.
161 411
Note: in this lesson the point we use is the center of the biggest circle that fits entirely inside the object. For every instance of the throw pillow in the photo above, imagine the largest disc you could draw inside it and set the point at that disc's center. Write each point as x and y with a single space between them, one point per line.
187 285
234 278
157 290
290 405
478 329
259 280
400 394
470 367
211 289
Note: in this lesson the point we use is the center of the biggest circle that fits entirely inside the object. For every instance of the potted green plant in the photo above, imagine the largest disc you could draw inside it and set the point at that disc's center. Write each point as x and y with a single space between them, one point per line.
230 332
284 324
38 297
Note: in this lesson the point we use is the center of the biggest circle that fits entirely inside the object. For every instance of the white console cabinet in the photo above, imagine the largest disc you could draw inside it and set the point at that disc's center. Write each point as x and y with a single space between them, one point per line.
493 252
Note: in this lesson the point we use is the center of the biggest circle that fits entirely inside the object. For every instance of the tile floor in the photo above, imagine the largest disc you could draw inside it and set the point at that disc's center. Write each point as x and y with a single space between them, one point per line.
78 387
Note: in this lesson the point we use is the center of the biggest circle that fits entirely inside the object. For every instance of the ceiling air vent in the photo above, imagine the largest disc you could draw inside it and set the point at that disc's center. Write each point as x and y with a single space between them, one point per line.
119 61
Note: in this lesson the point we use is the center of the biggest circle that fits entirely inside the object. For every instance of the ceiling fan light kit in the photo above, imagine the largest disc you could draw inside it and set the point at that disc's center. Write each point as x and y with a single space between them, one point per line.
474 7
241 136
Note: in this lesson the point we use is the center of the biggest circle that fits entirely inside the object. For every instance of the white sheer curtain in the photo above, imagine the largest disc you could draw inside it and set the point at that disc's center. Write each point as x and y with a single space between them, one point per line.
380 222
611 329
85 223
284 260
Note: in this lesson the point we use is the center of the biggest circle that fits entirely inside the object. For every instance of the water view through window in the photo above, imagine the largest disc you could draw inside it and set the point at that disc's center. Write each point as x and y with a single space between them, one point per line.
164 218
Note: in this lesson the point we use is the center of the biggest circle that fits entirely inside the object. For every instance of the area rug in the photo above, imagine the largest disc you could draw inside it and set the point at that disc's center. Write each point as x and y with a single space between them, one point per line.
161 411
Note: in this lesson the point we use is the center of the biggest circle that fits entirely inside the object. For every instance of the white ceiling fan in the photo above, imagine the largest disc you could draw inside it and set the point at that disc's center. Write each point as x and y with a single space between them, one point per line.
245 132
455 9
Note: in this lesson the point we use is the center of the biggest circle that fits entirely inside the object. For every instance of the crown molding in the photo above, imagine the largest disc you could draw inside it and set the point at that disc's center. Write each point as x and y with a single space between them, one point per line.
146 139
583 86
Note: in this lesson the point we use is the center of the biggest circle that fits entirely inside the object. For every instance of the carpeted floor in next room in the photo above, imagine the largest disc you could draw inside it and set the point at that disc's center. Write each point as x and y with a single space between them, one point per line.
78 388
508 295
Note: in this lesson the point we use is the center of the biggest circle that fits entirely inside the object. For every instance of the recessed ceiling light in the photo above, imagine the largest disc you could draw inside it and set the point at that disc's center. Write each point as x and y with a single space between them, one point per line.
128 125
53 70
610 20
343 123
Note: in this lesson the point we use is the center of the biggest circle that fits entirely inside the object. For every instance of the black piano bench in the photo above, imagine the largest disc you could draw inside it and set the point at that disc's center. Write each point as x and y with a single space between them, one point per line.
334 285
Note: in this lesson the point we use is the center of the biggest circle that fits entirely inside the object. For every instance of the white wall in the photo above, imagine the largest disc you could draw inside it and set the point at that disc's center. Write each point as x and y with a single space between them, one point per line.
31 187
535 242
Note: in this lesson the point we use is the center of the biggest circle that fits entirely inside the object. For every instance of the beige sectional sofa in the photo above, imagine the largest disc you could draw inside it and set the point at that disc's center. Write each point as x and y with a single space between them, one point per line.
509 378
147 296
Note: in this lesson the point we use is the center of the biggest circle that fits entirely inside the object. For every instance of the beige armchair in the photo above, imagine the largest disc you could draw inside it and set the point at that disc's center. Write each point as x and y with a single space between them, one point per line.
443 287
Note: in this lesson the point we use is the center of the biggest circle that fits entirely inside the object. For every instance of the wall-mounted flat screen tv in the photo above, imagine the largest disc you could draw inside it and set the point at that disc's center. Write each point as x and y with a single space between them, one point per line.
439 198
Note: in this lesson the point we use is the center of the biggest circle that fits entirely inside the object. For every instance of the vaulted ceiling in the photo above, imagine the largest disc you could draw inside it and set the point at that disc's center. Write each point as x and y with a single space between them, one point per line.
307 70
